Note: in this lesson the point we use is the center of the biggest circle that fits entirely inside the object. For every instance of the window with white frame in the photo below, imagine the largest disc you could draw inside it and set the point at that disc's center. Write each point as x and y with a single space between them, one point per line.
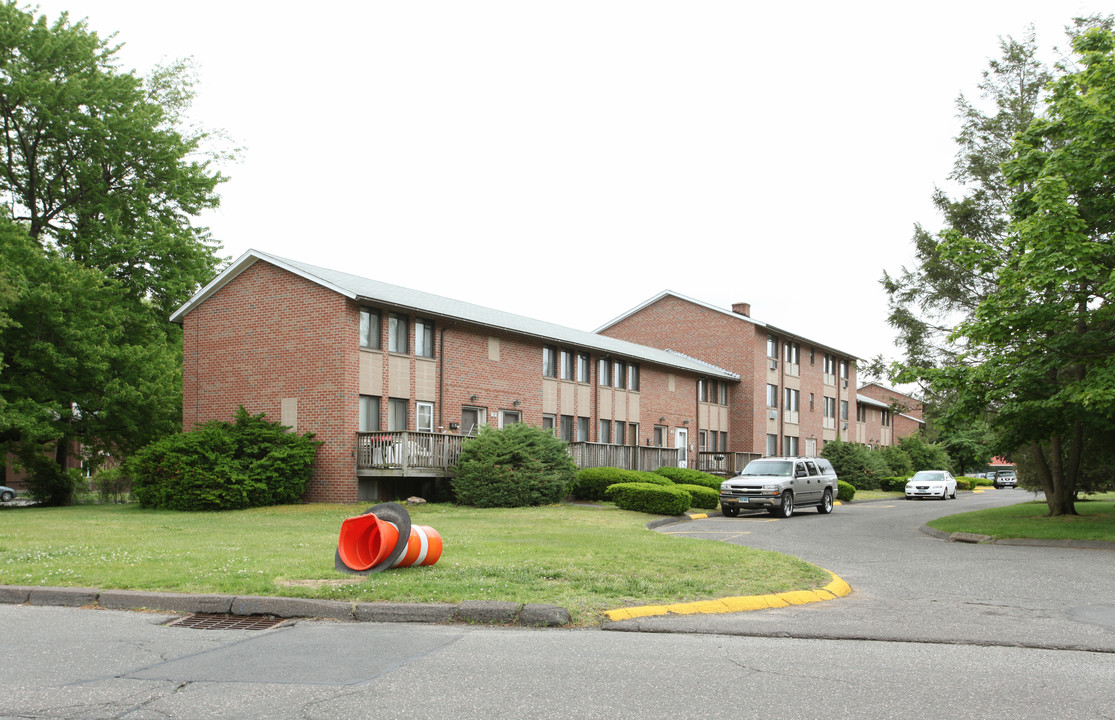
424 338
584 367
369 329
702 440
369 413
885 418
567 428
702 390
724 441
604 372
621 432
605 435
792 404
398 333
548 421
772 347
790 445
619 374
633 433
509 417
829 412
549 361
424 417
583 429
791 356
844 410
472 419
772 396
567 368
861 413
633 376
660 435
772 445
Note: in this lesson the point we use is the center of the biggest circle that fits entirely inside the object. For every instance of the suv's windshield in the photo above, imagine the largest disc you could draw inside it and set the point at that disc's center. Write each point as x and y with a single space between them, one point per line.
781 468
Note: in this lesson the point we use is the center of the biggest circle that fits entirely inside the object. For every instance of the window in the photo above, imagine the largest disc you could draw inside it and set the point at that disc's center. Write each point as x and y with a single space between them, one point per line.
772 347
509 417
660 436
425 417
702 390
844 369
772 395
396 414
723 393
605 431
567 428
885 418
472 419
549 361
793 404
424 338
583 367
861 413
702 441
369 413
811 408
605 372
791 353
724 442
567 368
632 376
582 429
621 432
830 364
772 445
812 356
633 434
790 445
398 333
830 412
369 329
843 409
620 374
548 422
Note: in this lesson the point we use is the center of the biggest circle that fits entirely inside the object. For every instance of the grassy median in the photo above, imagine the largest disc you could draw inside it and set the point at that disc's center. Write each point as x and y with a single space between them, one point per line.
1095 521
586 559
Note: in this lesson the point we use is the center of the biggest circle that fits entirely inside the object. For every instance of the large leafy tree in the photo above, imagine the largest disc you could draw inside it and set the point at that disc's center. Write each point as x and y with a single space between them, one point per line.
1041 344
100 185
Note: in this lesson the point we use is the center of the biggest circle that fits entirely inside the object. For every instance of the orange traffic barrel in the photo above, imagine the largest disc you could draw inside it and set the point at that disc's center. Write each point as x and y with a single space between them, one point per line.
366 541
423 547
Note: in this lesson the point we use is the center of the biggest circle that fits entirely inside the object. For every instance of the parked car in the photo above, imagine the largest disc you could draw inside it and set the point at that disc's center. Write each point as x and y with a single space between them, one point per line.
931 483
779 485
6 493
1005 478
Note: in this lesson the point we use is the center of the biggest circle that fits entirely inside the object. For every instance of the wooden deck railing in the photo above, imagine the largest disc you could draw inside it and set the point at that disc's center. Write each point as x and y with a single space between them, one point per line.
728 464
628 457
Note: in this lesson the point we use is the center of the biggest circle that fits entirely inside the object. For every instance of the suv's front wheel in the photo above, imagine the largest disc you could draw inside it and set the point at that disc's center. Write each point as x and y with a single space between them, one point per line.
729 512
787 507
826 503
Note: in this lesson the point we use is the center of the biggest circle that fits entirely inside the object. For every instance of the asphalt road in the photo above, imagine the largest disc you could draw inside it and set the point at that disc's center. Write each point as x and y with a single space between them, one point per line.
910 586
931 629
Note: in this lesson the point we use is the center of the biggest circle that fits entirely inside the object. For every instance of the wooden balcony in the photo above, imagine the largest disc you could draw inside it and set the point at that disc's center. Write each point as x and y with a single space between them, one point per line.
434 455
726 464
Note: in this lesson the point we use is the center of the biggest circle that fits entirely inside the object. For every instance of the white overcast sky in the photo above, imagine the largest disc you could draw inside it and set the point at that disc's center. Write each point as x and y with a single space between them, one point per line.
569 160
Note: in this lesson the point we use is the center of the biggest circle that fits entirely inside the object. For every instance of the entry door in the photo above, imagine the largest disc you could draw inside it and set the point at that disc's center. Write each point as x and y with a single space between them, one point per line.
811 447
681 442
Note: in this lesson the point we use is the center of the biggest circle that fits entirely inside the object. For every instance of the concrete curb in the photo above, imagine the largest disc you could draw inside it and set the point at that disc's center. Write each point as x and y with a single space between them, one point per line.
472 611
963 537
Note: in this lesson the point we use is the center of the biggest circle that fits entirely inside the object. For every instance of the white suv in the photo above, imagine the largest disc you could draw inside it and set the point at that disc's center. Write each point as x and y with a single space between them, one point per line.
778 485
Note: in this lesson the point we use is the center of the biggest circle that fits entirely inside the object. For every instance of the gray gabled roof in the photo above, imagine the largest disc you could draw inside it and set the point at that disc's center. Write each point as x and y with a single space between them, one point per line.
367 290
729 313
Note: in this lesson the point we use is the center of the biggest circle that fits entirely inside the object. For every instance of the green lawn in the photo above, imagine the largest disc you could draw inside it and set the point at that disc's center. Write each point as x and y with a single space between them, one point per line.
1096 521
586 559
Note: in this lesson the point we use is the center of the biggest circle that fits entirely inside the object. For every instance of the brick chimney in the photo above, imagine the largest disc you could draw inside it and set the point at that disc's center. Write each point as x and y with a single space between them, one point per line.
742 309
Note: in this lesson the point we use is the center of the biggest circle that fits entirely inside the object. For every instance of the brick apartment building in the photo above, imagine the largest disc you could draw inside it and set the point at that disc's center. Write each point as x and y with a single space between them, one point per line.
391 379
794 394
887 415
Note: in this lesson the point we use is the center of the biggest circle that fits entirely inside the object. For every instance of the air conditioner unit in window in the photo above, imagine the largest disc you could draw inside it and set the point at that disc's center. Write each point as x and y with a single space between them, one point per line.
773 364
773 414
845 383
845 426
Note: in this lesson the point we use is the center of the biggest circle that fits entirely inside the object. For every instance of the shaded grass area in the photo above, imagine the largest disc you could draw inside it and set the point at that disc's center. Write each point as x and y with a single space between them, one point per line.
586 559
1096 521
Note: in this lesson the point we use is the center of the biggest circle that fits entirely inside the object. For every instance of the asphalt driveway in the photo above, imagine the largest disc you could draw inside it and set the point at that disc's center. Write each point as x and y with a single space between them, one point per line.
910 586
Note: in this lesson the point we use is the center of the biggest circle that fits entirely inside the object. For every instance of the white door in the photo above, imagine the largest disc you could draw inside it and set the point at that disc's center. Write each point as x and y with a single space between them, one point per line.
681 442
811 447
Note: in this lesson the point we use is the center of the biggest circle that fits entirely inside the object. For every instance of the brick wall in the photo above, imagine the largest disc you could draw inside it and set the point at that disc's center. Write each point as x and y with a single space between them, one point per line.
270 335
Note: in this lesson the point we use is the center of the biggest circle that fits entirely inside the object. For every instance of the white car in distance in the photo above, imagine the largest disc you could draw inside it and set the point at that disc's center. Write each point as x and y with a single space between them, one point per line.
931 483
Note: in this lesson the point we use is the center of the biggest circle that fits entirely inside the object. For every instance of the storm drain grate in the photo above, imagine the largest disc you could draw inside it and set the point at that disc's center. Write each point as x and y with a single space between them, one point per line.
216 621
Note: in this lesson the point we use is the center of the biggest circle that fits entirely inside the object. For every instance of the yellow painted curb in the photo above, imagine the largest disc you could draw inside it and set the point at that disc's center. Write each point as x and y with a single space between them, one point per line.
698 516
836 588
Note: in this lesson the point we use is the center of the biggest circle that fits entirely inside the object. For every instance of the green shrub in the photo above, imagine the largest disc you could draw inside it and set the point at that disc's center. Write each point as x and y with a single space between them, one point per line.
980 482
856 464
250 462
704 498
516 466
650 498
963 484
924 455
47 482
897 460
846 491
893 484
591 483
687 476
113 485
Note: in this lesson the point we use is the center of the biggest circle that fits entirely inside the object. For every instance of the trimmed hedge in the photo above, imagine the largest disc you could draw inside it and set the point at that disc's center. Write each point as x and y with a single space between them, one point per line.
650 498
963 483
703 497
592 483
515 466
846 491
893 484
686 476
